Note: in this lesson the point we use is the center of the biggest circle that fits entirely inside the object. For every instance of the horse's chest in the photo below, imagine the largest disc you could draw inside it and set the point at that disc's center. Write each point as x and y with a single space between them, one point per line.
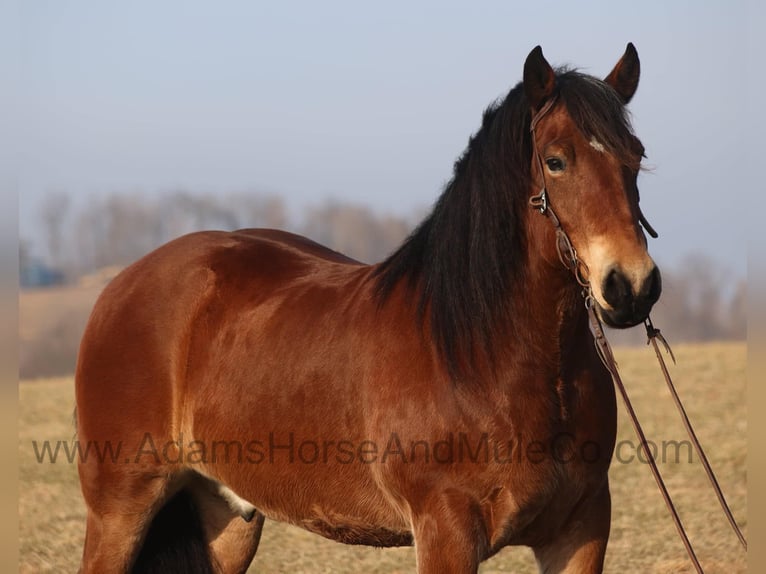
531 504
542 480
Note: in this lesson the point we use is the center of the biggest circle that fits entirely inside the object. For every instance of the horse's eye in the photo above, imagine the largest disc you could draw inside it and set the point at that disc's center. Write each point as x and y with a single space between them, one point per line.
555 164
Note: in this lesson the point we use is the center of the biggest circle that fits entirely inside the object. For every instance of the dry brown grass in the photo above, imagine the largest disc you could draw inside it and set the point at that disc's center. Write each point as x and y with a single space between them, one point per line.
710 378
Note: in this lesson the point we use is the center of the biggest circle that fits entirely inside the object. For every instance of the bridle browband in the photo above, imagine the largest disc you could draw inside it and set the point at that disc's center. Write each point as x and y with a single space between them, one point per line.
568 257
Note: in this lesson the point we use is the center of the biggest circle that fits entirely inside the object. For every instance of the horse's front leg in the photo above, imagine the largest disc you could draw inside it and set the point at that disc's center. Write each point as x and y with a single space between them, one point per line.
449 533
581 545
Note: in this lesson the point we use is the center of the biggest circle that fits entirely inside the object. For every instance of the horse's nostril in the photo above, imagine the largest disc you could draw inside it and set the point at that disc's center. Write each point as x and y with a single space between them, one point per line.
616 289
652 286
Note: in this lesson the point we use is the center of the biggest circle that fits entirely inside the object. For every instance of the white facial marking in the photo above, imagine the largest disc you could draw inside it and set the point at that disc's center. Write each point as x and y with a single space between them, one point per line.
597 145
600 255
597 254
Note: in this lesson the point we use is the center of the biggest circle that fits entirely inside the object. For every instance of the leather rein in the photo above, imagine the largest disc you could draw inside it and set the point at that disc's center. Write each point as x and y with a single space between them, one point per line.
568 257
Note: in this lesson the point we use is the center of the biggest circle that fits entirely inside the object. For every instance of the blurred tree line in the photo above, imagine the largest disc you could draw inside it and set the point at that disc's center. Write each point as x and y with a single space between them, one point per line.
700 300
117 229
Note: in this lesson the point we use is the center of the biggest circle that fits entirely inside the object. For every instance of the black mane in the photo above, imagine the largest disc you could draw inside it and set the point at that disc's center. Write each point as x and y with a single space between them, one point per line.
464 260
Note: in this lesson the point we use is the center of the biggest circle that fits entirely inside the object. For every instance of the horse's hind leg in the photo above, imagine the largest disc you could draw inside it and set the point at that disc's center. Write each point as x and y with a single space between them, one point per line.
581 546
117 525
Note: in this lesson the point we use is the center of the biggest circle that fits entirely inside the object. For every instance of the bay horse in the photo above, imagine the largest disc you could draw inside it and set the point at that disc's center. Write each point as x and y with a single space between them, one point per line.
449 397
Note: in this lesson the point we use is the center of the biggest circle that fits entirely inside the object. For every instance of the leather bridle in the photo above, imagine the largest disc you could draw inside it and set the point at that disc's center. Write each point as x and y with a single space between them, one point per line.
568 257
566 251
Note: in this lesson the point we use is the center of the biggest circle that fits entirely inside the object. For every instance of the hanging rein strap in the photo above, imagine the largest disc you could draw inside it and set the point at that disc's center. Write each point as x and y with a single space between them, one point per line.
568 256
653 335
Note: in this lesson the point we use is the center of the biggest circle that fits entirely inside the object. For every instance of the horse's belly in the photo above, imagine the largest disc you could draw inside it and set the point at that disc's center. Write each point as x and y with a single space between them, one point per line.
367 535
296 466
351 510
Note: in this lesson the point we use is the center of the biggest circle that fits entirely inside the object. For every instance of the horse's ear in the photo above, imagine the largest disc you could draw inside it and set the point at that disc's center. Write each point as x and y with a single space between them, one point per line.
624 77
539 79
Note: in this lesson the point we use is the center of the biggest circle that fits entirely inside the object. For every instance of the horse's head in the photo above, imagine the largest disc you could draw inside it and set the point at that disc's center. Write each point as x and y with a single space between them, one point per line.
591 159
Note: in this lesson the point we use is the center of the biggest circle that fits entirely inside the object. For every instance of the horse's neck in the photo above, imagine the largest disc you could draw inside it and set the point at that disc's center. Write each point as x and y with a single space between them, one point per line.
548 311
548 351
550 314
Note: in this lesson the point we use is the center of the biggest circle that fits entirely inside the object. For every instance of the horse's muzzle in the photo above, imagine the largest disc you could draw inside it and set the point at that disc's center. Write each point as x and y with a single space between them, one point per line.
628 306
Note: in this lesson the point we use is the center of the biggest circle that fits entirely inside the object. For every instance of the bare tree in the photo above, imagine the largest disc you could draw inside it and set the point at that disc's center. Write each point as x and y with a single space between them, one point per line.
737 316
256 210
54 212
24 255
355 230
119 228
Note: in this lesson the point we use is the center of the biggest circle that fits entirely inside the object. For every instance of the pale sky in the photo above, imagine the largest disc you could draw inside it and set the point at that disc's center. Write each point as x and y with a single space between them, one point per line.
367 102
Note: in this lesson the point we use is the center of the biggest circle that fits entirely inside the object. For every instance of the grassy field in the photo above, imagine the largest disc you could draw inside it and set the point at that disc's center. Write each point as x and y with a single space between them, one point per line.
710 379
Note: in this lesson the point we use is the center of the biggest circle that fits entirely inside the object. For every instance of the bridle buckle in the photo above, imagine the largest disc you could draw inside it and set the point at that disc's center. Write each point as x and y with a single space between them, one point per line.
540 201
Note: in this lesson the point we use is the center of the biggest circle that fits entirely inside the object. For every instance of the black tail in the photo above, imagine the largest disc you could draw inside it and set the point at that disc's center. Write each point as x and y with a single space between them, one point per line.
175 542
